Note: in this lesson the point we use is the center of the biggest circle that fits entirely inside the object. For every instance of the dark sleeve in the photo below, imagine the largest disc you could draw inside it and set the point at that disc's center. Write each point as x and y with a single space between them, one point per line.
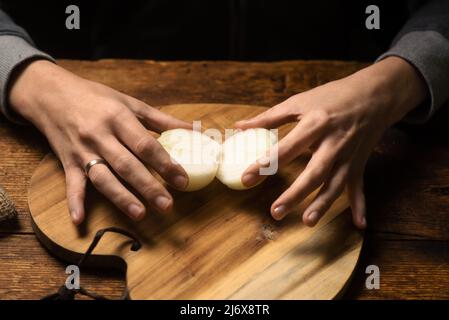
424 42
16 47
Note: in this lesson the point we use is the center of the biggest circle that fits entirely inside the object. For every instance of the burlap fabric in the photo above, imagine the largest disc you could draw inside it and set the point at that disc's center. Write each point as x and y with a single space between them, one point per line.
7 209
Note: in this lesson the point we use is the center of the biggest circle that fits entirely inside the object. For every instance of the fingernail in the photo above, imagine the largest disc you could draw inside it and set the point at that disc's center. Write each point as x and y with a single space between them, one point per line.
180 182
135 211
363 222
76 216
249 179
279 212
313 217
162 202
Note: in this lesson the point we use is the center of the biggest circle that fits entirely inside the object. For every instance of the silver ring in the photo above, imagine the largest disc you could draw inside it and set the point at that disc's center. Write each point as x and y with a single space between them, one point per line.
91 163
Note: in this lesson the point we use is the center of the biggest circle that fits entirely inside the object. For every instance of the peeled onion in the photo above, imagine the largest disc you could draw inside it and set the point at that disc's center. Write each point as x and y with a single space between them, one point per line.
197 153
239 152
203 158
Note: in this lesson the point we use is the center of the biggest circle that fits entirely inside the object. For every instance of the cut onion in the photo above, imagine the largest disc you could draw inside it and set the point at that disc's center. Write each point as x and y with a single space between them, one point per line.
197 153
204 158
240 151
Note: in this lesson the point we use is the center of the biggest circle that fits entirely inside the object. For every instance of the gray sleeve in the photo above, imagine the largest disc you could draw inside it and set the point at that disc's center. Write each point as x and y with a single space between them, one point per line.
424 42
16 48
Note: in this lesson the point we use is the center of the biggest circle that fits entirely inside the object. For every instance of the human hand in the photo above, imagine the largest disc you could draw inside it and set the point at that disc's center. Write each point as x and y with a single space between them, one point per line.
84 120
341 123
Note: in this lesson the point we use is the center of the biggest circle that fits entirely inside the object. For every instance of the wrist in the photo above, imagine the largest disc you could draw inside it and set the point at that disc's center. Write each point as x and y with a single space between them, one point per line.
30 86
395 86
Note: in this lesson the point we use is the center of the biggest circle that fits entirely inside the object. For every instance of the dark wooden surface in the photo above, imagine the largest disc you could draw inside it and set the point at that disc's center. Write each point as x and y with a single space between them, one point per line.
407 180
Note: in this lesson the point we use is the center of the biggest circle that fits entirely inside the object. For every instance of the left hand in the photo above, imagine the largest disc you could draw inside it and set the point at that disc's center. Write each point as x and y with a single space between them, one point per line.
340 122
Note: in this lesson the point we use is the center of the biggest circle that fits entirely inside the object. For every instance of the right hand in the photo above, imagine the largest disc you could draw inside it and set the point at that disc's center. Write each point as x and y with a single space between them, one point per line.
84 120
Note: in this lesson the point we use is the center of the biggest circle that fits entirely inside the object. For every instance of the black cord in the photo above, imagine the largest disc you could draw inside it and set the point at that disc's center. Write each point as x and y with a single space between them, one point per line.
64 293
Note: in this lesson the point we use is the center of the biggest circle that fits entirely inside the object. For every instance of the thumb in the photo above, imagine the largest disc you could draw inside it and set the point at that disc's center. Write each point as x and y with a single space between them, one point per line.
272 118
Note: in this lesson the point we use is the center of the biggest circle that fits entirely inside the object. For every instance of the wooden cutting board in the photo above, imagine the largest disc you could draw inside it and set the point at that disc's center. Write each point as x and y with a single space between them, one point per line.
216 244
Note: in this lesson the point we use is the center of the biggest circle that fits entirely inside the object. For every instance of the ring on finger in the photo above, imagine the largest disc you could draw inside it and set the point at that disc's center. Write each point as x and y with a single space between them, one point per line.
92 163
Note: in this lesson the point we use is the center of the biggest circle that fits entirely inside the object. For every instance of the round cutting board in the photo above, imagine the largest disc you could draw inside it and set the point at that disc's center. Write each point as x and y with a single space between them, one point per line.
216 244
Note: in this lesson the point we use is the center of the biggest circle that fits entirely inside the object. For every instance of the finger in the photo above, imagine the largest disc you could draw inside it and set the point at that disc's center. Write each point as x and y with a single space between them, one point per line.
315 173
150 152
327 195
296 142
355 184
128 167
356 194
107 184
155 119
272 118
76 190
357 201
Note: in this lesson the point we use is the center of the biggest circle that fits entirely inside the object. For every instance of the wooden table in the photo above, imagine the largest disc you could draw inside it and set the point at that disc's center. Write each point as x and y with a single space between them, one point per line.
407 180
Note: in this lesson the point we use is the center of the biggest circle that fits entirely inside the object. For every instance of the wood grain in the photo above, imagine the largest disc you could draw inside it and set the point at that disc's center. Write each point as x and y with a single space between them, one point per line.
217 243
410 163
28 271
409 269
412 269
